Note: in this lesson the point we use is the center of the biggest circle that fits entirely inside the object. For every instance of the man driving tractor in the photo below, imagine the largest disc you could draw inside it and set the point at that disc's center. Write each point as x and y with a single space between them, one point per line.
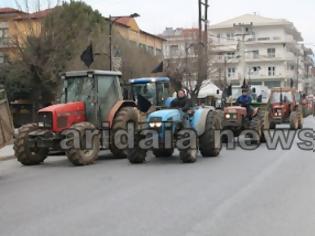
245 100
182 101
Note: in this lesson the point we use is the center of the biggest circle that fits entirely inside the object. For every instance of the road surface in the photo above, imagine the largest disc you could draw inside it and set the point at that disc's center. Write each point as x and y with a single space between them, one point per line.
241 193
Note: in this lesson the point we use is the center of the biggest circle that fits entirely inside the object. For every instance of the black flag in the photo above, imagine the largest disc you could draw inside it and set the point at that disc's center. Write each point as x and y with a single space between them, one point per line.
158 69
87 56
143 103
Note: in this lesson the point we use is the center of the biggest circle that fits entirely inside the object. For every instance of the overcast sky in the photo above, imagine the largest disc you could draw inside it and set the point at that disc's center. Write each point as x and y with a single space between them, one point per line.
156 15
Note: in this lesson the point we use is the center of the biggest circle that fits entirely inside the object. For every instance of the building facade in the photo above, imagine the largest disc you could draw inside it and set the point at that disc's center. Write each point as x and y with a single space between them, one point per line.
269 52
15 27
128 28
180 52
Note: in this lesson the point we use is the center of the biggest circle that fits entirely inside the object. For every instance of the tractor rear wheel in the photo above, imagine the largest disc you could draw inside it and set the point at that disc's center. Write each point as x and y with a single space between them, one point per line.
124 116
80 156
163 152
294 120
25 154
207 142
256 125
188 156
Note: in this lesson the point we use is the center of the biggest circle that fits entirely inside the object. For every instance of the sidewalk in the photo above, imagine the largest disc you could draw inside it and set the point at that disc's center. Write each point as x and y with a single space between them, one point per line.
7 153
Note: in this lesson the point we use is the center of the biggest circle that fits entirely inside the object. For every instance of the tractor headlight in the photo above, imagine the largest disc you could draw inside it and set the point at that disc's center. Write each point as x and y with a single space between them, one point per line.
155 124
227 116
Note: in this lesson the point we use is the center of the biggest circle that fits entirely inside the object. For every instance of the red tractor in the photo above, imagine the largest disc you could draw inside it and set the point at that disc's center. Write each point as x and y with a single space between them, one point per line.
236 117
285 108
89 99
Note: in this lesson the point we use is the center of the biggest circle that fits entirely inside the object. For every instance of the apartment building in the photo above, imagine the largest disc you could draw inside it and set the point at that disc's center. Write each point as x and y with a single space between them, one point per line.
180 51
273 51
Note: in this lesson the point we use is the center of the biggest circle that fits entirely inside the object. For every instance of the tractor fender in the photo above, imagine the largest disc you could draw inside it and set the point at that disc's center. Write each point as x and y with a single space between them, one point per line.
117 107
200 118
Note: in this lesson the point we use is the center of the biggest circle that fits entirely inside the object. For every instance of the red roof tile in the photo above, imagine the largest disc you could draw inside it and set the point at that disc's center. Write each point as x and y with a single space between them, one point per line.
8 10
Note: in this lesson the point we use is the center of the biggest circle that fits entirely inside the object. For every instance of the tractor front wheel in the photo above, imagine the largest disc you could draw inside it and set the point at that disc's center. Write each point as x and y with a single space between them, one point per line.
25 154
163 152
207 143
124 116
83 155
188 156
294 121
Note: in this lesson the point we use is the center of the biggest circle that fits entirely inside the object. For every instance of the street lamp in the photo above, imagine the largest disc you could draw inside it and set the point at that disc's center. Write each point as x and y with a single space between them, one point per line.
111 22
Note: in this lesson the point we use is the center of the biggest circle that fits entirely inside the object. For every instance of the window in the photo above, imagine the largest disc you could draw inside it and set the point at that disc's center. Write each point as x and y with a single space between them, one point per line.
255 54
174 50
271 71
158 52
255 70
271 52
2 59
229 36
150 49
4 35
231 72
230 55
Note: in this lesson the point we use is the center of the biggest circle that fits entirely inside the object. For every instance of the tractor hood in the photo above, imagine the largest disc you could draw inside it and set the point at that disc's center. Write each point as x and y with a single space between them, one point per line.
63 116
235 109
166 115
68 107
278 106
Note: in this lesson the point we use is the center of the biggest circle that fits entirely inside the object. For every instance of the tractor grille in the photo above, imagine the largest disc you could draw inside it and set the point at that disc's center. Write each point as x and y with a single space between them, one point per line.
45 120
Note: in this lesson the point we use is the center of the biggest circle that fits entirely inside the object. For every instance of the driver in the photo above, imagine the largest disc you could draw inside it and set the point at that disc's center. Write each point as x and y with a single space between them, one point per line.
245 100
182 101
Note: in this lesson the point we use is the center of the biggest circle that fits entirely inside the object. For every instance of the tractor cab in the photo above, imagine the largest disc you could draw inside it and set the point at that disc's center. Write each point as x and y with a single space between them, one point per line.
98 90
154 89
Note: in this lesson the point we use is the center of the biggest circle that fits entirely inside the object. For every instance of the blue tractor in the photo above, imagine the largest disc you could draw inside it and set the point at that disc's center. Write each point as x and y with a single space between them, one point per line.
165 129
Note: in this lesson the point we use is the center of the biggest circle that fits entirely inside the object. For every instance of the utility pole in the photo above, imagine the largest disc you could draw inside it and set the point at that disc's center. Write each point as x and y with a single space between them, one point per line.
203 42
112 21
297 73
243 30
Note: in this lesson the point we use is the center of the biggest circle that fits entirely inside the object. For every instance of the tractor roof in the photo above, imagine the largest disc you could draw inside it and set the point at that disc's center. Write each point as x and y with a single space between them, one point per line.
145 80
86 72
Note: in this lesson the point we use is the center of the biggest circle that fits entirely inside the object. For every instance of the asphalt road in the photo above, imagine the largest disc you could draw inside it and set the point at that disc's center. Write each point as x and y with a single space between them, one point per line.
240 193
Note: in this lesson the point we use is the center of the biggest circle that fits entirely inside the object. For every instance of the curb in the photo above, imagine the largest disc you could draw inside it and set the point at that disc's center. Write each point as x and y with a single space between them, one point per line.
7 158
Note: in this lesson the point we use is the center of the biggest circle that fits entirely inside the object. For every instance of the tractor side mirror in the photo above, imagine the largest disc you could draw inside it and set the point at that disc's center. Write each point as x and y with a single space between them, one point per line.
253 90
218 91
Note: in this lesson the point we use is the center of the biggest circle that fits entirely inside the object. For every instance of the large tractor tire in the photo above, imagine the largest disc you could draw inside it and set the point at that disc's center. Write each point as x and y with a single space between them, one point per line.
294 120
124 116
301 121
272 125
207 143
80 156
24 154
188 156
163 152
256 125
136 156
